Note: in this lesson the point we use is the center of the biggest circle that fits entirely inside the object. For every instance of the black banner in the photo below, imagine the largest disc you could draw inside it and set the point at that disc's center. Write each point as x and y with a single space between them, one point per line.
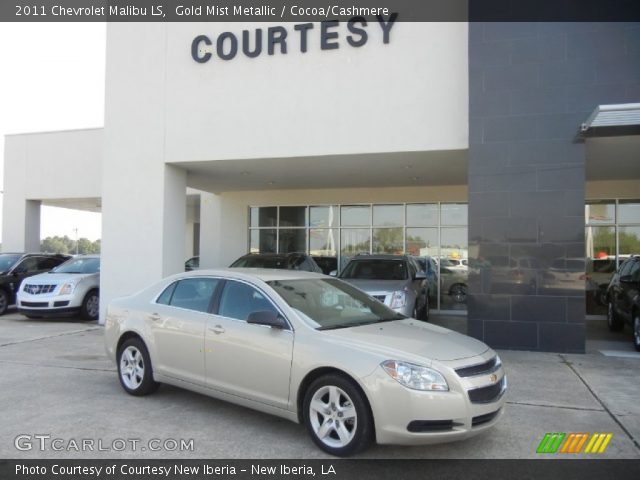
337 469
314 10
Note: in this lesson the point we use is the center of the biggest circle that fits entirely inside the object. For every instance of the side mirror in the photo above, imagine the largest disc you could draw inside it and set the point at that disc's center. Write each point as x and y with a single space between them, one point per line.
267 318
333 273
421 276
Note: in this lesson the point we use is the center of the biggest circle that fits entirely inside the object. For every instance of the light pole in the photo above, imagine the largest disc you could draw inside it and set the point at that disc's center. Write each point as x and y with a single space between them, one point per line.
76 230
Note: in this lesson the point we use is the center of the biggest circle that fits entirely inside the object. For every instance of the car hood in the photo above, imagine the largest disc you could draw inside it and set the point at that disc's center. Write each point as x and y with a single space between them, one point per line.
377 285
410 337
57 278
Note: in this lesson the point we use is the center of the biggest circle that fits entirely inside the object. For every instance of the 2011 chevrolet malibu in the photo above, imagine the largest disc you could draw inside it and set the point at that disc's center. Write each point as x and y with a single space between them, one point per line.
309 348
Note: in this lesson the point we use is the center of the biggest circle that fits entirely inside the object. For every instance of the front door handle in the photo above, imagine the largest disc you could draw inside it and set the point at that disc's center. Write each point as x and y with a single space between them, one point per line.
154 316
217 329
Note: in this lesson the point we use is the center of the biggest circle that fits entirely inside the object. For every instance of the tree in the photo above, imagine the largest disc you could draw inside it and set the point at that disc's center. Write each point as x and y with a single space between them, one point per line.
66 245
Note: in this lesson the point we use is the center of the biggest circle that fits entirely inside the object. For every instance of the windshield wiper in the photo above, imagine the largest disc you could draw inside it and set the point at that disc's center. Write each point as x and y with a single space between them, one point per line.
360 324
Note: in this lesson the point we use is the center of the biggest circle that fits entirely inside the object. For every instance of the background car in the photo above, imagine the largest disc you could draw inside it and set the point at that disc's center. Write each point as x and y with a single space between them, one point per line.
280 261
72 288
359 371
623 299
395 280
15 267
192 264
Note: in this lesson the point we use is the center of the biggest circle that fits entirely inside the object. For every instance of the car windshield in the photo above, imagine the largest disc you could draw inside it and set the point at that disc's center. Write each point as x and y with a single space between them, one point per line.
256 261
330 303
8 261
376 269
79 265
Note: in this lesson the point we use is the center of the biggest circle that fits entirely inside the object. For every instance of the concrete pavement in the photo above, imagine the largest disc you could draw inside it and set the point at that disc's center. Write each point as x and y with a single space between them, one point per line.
56 380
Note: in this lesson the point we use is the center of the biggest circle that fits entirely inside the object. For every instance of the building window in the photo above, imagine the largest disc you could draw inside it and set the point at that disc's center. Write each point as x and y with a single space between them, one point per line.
437 230
612 234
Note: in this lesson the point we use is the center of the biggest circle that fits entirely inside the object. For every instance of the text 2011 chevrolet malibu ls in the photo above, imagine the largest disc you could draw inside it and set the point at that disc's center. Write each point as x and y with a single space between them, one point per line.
311 349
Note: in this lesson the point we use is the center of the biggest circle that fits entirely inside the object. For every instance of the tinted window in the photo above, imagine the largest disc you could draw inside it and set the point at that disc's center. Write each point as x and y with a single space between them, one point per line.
257 261
28 265
626 267
7 261
635 271
194 293
238 300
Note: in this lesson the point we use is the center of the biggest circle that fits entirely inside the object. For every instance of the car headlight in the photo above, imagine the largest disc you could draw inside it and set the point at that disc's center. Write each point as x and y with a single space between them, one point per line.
414 376
398 299
67 289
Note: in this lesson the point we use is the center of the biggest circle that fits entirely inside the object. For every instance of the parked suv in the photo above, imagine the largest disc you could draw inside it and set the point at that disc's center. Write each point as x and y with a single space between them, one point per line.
15 267
281 261
72 288
623 299
396 280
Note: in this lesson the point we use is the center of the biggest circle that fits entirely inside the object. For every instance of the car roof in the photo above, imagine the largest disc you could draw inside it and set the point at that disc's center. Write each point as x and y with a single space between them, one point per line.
264 274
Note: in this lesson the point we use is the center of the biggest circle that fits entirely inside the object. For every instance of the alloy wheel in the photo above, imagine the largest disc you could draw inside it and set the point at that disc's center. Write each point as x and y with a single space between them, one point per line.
131 367
333 416
93 306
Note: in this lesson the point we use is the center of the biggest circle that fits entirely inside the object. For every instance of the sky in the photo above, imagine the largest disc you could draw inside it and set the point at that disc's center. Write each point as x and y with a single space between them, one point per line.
53 79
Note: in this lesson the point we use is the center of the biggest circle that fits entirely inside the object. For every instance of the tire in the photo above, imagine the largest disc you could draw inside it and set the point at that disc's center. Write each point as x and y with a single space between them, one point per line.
134 368
4 302
458 292
636 330
351 416
90 309
614 323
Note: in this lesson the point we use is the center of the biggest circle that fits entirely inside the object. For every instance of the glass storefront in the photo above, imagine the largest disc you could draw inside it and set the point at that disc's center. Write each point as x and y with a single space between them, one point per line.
612 235
333 234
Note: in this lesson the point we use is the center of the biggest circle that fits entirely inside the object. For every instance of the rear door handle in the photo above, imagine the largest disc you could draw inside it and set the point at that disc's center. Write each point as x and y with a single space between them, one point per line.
217 329
154 316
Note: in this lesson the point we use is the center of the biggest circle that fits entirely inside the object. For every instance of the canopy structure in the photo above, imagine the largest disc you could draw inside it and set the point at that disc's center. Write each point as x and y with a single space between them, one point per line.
610 120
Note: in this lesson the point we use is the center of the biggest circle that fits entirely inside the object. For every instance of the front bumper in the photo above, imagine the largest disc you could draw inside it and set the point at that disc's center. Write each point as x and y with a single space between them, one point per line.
47 305
411 417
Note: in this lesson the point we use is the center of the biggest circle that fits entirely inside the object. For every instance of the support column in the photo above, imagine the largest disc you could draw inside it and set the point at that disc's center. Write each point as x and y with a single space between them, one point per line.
210 238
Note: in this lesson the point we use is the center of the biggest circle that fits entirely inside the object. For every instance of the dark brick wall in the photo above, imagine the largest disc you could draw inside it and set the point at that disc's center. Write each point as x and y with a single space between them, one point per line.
530 87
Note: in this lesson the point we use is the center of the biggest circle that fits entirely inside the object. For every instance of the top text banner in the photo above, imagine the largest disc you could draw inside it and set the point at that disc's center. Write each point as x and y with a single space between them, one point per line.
317 10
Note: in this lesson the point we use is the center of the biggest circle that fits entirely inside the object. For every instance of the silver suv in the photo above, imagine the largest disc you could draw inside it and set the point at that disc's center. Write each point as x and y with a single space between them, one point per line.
395 280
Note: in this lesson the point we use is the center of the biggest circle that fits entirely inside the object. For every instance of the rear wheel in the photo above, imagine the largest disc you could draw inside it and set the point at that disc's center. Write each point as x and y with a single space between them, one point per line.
134 368
636 330
337 416
613 321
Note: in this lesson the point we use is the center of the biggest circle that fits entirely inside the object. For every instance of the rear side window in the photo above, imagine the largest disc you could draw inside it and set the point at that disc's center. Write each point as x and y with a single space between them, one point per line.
47 263
165 297
191 294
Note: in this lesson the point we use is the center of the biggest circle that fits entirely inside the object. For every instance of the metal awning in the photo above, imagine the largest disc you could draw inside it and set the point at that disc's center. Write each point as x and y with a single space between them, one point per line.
620 119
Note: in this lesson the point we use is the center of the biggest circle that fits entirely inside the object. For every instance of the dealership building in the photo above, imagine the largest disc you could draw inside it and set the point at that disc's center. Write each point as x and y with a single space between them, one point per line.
508 152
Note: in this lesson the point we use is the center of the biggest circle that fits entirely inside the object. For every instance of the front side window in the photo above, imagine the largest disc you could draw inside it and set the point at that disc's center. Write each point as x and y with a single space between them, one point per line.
77 265
239 300
28 265
7 261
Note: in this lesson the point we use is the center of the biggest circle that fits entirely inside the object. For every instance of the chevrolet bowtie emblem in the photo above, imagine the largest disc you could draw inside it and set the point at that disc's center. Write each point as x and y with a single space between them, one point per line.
494 378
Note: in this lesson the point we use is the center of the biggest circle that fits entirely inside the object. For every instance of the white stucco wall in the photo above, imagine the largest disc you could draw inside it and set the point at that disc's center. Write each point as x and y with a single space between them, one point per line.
41 166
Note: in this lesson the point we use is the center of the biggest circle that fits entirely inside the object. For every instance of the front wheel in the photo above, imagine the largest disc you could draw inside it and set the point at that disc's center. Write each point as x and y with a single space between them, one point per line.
90 308
613 321
636 331
337 416
134 368
4 302
458 292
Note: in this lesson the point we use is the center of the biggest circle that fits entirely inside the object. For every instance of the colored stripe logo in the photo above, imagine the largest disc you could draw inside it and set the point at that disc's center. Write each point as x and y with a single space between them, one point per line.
557 442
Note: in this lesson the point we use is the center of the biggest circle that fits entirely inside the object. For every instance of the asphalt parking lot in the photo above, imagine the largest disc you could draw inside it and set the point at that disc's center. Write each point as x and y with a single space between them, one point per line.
56 380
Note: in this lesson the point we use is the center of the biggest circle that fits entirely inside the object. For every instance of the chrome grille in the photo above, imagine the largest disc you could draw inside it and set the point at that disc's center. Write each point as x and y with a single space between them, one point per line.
490 393
38 289
481 369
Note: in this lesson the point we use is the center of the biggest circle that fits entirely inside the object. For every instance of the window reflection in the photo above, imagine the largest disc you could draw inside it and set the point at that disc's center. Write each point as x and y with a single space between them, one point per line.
388 240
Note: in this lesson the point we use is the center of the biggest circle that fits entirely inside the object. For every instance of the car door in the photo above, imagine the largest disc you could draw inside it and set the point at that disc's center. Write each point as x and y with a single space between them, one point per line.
247 360
26 268
177 323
